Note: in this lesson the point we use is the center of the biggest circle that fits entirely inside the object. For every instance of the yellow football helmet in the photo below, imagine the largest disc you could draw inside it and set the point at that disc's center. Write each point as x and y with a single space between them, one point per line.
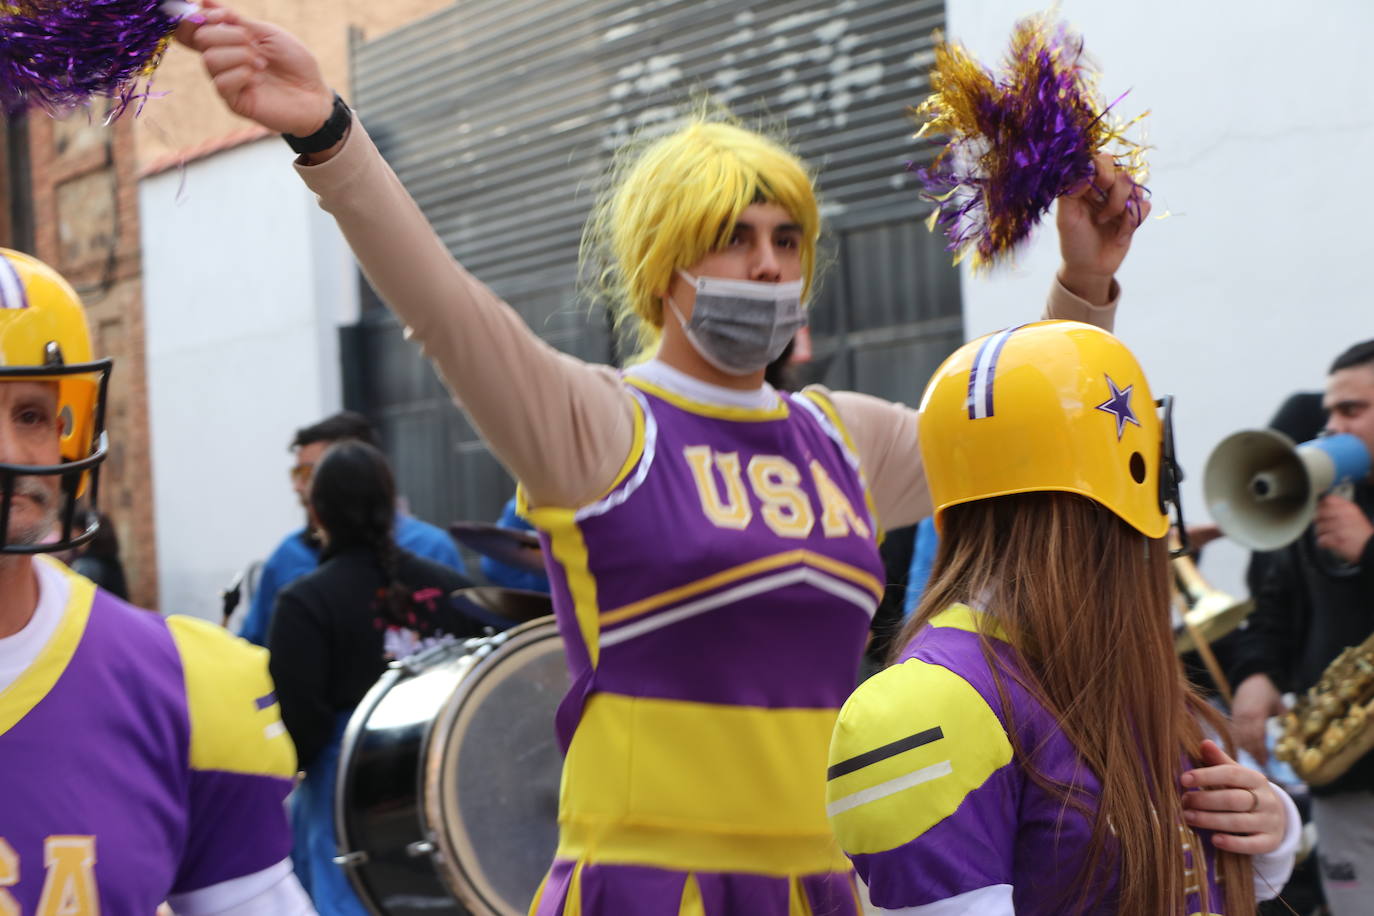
1055 405
44 336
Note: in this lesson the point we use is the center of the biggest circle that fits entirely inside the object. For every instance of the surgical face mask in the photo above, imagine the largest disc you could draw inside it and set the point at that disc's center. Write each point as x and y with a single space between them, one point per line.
740 326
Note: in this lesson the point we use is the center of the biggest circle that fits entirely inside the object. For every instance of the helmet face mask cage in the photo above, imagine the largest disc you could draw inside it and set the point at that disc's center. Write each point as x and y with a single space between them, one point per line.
79 478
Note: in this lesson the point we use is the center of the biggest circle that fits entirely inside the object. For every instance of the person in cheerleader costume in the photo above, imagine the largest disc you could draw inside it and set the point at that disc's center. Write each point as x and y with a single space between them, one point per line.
1035 747
711 541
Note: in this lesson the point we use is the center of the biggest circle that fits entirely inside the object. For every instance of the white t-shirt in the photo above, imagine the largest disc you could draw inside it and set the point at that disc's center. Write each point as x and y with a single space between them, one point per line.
663 375
19 650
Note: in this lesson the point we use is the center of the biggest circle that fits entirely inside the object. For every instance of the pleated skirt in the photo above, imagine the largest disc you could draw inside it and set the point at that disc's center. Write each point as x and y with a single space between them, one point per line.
575 888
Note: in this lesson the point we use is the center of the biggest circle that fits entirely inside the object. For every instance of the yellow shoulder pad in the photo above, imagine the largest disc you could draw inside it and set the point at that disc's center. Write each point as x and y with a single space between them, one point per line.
910 745
236 722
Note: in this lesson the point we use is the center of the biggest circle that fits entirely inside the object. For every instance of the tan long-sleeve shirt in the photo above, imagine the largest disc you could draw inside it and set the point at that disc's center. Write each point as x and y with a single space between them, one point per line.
562 426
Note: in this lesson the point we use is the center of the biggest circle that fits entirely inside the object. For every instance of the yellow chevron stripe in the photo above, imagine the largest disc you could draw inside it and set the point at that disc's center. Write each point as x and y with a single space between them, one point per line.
744 570
17 700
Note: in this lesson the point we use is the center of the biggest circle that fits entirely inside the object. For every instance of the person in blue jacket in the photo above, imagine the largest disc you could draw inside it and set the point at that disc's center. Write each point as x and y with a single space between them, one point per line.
299 551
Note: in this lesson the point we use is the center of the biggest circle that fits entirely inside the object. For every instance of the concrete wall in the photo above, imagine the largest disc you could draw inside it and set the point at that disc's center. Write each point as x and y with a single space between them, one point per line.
245 284
246 280
1258 275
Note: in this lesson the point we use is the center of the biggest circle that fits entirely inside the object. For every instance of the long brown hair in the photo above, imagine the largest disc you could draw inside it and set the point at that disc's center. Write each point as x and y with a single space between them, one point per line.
1084 599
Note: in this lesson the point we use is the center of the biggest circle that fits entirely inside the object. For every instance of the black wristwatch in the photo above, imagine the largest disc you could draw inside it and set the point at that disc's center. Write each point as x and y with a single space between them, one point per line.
331 133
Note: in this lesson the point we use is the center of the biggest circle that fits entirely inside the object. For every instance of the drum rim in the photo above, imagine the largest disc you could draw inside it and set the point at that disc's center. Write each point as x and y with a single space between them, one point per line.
396 672
435 753
343 779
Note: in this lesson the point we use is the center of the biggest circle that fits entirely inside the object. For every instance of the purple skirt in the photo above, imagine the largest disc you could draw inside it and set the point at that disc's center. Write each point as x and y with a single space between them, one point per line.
595 889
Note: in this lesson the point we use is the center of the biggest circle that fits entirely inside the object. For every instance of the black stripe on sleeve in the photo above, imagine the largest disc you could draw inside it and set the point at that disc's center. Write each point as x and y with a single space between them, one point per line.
846 767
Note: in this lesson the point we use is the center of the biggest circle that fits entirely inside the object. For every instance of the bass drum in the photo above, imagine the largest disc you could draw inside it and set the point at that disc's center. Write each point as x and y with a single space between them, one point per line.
447 797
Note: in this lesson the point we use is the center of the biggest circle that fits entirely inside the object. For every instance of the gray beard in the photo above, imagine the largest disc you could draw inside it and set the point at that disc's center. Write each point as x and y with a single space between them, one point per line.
33 533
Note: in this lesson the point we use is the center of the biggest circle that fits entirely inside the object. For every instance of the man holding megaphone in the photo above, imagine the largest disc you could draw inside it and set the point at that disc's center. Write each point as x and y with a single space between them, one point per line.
1313 505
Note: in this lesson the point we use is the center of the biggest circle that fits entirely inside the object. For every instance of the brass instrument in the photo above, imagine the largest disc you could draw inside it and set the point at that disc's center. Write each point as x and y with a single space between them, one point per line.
1332 726
1207 614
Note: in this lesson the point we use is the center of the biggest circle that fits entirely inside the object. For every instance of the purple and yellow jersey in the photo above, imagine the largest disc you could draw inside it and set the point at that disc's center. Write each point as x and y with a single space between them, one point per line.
141 757
714 606
931 804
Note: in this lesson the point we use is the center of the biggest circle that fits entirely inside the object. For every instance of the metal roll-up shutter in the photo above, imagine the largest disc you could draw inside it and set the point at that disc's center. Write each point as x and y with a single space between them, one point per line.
501 117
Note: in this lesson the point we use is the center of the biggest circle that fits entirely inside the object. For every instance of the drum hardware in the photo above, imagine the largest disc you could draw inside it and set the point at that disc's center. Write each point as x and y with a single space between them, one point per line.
478 646
448 777
510 546
417 662
1207 614
501 608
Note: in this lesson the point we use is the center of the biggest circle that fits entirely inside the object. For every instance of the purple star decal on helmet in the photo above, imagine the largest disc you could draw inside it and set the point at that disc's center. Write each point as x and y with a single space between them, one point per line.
1119 406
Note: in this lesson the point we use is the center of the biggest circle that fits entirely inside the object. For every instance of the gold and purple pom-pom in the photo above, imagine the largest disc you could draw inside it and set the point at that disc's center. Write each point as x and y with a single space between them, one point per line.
56 55
1017 140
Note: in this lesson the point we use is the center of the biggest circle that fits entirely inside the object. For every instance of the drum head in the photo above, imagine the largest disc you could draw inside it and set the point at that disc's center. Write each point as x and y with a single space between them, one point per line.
492 773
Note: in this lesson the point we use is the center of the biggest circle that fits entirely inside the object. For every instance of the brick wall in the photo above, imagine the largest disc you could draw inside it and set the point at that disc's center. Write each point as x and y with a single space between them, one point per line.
85 212
85 205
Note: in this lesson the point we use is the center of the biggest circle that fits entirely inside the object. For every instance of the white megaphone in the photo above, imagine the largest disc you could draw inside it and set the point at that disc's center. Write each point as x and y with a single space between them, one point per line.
1262 489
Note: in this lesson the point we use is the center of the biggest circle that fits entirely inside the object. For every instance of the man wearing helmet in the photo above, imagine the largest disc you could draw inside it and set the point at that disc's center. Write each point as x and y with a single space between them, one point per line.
144 759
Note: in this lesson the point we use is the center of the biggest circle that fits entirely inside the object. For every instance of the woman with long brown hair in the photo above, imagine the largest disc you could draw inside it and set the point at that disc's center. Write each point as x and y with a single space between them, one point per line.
1035 747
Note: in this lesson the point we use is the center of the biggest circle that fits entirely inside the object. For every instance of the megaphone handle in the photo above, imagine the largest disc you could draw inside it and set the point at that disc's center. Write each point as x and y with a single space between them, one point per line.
1209 659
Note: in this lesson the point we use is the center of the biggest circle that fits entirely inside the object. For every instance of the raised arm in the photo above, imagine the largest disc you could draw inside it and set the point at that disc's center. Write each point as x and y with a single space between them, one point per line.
1096 224
529 401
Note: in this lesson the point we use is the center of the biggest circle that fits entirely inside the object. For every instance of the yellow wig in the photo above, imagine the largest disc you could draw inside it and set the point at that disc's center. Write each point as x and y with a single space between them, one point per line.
676 201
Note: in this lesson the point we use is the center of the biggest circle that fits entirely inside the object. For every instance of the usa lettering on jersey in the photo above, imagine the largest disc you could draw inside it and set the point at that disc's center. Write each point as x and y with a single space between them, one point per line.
775 483
68 878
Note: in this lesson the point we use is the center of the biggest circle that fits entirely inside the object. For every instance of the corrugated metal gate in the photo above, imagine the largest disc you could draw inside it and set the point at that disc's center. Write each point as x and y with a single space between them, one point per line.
500 116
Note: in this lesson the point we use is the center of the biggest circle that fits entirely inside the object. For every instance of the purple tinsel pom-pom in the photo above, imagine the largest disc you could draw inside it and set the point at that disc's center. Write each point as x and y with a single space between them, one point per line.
58 55
1018 138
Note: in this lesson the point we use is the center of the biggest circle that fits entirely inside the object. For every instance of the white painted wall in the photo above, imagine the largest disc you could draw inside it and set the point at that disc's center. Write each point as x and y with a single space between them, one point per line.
245 284
1262 119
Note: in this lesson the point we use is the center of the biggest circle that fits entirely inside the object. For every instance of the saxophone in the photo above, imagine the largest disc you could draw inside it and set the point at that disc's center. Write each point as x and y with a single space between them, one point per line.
1332 726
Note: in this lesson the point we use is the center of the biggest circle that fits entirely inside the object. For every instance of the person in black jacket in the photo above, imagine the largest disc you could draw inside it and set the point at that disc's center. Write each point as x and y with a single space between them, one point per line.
1316 597
99 561
336 629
